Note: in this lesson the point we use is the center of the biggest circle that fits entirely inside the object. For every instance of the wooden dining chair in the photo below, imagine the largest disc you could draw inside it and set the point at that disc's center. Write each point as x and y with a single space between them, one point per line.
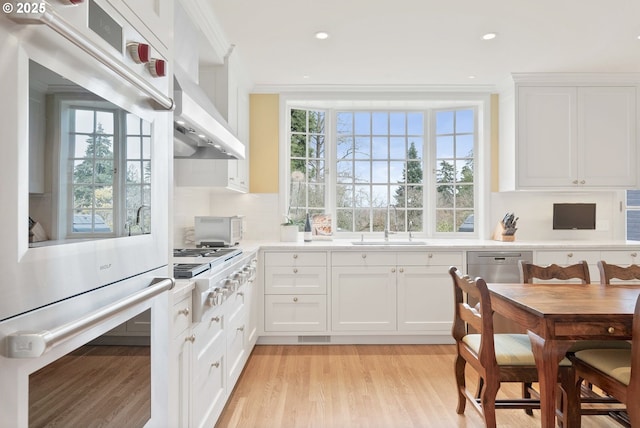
609 272
591 403
496 358
529 272
616 371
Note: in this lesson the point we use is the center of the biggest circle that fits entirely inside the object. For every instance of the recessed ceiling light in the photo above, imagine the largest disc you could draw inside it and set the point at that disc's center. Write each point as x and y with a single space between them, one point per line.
322 35
489 36
306 76
472 77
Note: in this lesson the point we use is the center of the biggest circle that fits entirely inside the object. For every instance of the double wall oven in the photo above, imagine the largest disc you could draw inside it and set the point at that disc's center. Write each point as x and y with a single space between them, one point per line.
84 236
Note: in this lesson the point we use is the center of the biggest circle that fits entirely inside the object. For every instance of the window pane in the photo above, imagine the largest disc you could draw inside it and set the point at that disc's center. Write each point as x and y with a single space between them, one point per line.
464 121
362 196
134 174
464 197
134 148
414 197
133 125
345 148
83 122
464 146
396 172
316 146
344 123
316 195
444 221
379 172
633 225
415 148
398 148
146 147
380 148
315 169
413 174
344 221
380 123
344 196
362 123
444 122
104 122
363 148
316 122
445 173
362 172
298 145
379 196
445 196
444 147
362 219
345 172
398 123
298 120
415 123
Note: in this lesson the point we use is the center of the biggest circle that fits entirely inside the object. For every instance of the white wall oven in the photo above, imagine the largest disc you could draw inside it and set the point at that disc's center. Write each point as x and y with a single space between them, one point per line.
85 172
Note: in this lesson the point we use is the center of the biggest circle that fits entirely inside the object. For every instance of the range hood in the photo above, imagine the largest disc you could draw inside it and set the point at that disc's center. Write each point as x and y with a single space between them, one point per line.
200 131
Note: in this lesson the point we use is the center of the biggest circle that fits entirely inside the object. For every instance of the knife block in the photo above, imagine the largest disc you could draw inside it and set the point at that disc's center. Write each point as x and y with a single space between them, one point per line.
498 234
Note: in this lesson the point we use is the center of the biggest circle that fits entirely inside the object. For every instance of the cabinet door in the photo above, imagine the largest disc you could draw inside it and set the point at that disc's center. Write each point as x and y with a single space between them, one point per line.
363 298
209 392
180 380
425 299
607 124
546 136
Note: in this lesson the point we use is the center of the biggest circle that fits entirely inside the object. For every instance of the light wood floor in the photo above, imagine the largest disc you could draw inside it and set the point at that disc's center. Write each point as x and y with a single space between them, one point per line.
368 386
94 386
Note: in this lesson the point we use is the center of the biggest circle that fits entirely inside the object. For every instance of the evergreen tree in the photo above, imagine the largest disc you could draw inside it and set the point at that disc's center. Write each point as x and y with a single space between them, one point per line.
96 171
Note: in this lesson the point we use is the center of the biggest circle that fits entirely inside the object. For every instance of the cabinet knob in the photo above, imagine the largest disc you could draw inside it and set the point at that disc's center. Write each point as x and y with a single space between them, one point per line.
575 181
215 319
216 364
582 182
364 256
401 270
633 254
569 254
241 328
295 299
295 270
184 312
611 330
191 338
430 255
393 270
240 293
295 256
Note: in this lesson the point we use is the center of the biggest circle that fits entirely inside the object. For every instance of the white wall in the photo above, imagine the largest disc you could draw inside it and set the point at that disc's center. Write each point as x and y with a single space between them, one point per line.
535 210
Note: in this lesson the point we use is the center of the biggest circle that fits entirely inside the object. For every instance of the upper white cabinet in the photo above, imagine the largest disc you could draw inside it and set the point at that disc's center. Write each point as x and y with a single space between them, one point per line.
581 136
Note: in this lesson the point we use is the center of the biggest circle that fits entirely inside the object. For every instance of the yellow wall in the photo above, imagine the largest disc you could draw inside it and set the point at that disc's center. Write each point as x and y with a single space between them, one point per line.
264 122
263 145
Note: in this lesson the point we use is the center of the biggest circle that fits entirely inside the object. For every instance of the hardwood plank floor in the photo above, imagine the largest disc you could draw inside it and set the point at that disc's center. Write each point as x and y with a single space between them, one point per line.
367 386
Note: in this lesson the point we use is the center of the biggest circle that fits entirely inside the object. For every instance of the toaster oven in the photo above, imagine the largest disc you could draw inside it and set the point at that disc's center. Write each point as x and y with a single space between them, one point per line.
218 231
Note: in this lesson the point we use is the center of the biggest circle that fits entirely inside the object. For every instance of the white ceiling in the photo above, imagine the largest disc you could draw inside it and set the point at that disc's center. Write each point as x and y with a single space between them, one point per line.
427 42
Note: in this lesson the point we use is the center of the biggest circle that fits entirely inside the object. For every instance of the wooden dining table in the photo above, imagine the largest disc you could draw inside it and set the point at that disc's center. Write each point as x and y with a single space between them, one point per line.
557 315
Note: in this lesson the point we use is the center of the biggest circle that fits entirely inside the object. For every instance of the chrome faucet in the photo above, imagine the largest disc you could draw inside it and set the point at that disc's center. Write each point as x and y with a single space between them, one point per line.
387 227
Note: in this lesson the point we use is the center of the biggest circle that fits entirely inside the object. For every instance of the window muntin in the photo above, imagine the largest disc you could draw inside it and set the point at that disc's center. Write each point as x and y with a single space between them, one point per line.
379 170
101 143
454 159
307 171
380 161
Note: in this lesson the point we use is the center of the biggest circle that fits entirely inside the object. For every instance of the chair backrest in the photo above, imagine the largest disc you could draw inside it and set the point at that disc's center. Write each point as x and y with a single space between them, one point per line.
634 381
609 272
529 272
478 317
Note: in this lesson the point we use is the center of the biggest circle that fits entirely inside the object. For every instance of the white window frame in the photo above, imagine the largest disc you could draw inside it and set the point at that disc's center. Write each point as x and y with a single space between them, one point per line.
415 100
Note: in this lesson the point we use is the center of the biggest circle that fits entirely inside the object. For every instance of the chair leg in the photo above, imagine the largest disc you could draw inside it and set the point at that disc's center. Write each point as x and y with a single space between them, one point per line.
460 383
488 403
526 393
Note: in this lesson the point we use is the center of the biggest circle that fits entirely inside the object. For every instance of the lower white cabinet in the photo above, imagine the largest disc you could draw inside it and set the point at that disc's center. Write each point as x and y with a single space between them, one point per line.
563 258
180 362
295 313
363 298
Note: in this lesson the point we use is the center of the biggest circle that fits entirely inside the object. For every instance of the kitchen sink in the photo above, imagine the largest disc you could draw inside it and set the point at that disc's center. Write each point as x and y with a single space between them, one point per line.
389 243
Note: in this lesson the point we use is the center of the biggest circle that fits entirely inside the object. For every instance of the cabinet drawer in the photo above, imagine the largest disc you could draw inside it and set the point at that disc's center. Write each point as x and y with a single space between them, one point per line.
292 280
295 313
601 329
567 257
208 385
429 258
181 315
300 258
209 329
624 257
363 258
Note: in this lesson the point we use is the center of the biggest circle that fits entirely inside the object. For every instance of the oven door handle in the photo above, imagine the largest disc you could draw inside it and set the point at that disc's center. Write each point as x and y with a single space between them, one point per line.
30 344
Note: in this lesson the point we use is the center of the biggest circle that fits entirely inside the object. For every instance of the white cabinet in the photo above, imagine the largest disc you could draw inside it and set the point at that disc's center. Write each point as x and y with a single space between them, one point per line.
295 286
180 359
570 136
227 174
363 291
570 257
425 297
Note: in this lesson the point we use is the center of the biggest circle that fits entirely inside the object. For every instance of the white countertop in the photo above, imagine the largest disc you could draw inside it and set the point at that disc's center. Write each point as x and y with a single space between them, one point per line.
443 244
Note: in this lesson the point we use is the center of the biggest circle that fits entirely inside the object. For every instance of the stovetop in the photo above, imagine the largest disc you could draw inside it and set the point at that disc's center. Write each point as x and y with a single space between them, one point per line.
190 262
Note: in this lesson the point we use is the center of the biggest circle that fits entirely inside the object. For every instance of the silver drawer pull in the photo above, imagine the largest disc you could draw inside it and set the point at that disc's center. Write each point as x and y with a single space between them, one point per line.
295 256
295 270
216 364
184 312
215 319
241 328
295 299
191 338
364 256
634 254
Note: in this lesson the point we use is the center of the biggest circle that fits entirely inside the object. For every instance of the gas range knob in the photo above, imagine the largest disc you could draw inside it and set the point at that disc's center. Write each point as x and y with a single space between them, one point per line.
157 67
215 297
230 285
139 52
240 277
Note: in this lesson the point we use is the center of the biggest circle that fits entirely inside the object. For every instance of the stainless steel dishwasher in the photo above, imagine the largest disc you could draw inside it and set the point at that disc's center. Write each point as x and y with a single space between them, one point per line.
498 266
